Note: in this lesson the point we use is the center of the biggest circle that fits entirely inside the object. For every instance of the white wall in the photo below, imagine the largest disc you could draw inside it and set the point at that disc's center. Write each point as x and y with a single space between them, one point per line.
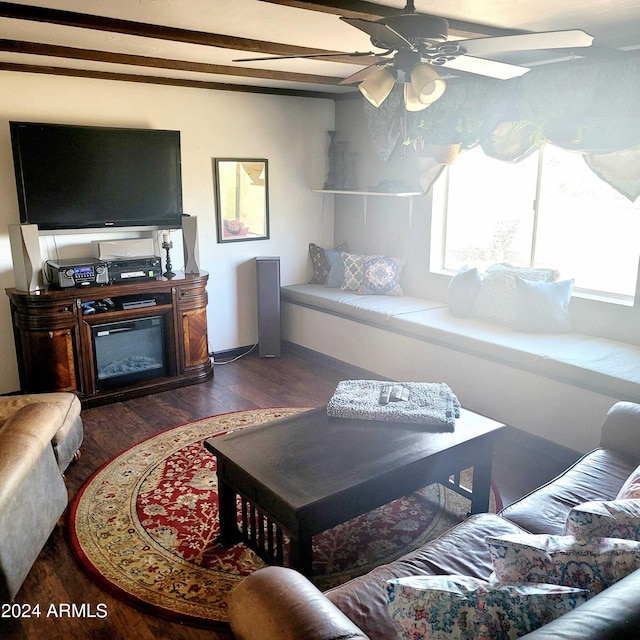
290 132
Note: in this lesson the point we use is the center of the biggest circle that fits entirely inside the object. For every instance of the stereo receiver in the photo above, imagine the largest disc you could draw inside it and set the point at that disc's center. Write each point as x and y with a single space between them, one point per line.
76 272
133 269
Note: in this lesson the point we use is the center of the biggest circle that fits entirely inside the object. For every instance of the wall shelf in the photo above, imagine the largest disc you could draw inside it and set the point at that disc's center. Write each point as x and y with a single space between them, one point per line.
366 194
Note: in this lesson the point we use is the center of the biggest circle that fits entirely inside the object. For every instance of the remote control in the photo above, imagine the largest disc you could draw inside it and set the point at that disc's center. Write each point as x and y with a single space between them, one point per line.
385 394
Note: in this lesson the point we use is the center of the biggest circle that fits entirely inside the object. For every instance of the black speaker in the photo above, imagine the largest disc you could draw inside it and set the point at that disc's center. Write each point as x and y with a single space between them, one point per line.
268 281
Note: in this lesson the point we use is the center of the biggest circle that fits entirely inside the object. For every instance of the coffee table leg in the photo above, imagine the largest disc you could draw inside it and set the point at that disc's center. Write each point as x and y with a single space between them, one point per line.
227 515
482 479
301 555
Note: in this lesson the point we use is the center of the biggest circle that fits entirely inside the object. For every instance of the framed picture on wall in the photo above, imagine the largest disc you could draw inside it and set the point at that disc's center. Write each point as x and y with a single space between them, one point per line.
242 199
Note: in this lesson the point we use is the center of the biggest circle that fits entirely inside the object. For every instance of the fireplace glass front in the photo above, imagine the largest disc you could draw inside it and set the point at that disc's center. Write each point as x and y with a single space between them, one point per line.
129 352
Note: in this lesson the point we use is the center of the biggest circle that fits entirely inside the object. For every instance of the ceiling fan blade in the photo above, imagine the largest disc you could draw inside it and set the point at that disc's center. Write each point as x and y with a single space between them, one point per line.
490 68
354 54
380 33
528 42
358 76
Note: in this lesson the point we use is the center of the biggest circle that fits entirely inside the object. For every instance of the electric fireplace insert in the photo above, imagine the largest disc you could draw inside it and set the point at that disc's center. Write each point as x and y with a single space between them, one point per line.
128 352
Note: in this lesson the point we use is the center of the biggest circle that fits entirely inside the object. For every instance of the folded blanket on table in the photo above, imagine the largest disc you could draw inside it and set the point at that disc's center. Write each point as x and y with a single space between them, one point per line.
431 403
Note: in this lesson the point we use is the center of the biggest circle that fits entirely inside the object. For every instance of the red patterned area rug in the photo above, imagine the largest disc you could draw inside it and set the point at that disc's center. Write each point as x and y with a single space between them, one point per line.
145 526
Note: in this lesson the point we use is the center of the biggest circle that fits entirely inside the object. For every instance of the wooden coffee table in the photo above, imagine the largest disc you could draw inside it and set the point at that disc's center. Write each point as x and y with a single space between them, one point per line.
299 476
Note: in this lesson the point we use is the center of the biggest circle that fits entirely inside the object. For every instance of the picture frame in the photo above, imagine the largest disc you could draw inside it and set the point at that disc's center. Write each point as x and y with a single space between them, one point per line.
242 199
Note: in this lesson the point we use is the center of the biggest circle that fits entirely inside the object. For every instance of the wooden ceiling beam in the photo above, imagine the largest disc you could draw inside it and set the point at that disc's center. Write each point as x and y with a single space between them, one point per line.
56 51
175 82
162 32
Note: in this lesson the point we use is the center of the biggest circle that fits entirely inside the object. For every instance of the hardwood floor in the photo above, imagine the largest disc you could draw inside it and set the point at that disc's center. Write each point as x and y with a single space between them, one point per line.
299 378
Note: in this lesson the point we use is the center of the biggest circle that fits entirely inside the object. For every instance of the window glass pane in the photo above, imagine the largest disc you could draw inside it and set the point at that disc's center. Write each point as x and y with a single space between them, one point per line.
586 229
488 215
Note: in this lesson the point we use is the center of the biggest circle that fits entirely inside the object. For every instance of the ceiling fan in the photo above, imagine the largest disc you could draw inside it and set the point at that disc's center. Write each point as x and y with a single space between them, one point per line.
421 42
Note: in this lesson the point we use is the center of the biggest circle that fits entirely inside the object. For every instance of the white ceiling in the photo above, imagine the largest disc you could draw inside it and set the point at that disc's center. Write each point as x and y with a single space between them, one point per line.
615 24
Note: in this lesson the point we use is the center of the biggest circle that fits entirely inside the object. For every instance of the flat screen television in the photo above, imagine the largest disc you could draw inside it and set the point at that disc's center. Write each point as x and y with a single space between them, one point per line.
80 177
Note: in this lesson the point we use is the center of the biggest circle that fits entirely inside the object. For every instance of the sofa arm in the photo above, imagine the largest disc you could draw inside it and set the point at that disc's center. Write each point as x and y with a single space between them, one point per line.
276 603
23 437
621 429
613 614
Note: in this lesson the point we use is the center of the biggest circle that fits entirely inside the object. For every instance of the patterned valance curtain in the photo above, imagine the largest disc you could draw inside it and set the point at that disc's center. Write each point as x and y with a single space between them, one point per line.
588 108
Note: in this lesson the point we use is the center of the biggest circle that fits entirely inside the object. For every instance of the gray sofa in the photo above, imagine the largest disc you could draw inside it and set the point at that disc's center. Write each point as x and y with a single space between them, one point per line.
277 602
40 435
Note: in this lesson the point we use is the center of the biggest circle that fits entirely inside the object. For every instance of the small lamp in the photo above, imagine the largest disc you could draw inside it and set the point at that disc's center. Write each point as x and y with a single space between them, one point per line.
377 86
166 245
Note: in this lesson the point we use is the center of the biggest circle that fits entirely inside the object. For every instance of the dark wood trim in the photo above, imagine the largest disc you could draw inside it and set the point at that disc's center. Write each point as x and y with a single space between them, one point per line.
174 82
162 32
73 53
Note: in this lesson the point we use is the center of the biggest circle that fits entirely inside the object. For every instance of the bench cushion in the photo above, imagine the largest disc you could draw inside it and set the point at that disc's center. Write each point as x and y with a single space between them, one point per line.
605 366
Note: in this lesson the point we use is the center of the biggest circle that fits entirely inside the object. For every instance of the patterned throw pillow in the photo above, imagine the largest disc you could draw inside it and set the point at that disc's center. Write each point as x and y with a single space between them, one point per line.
631 488
353 264
497 297
600 519
592 564
460 607
382 276
320 264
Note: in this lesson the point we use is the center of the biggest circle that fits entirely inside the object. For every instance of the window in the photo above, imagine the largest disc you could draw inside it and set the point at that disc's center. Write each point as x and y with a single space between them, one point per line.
549 210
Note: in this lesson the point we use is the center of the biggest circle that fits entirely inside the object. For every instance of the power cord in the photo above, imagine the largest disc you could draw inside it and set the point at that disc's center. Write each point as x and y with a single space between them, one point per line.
242 355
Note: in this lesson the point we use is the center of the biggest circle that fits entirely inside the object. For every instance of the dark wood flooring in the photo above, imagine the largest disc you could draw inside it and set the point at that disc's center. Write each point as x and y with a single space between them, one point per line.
299 378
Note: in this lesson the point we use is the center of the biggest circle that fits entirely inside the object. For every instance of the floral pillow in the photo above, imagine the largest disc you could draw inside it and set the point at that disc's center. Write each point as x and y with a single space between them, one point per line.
612 519
593 564
460 607
382 276
631 488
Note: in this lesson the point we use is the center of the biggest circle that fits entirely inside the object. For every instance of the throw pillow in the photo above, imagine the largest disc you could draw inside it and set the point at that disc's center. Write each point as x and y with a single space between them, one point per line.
463 290
320 264
631 487
497 297
593 564
335 278
460 607
605 519
543 306
353 264
382 276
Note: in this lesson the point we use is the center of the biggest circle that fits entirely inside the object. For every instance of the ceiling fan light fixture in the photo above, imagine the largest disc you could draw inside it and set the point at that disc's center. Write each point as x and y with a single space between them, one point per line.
377 86
426 83
411 102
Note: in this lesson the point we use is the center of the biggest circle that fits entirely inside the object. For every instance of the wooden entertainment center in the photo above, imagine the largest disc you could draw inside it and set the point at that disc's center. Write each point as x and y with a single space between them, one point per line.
55 335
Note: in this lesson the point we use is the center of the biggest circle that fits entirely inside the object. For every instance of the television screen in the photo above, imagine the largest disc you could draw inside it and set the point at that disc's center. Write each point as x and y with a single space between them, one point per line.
77 177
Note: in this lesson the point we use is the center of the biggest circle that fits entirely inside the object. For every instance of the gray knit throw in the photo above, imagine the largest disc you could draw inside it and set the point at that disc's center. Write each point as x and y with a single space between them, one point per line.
429 403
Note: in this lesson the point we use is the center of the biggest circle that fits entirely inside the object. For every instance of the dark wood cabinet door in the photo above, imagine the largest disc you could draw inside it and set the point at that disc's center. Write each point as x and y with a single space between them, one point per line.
50 360
194 335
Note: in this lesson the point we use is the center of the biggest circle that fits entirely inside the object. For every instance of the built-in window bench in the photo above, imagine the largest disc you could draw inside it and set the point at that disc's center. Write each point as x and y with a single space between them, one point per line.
557 386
